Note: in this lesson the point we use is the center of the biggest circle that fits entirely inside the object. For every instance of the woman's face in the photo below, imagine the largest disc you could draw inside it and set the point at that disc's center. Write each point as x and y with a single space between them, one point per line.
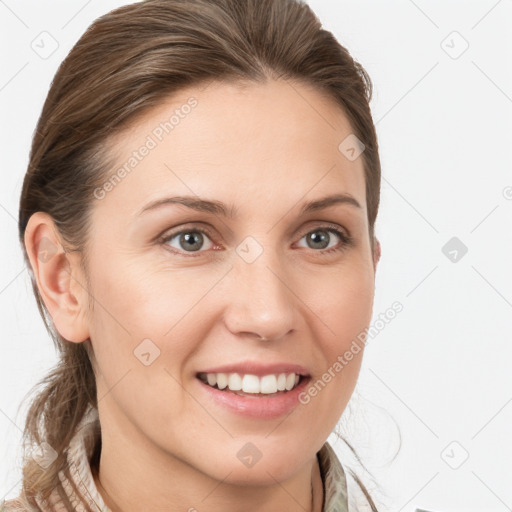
178 291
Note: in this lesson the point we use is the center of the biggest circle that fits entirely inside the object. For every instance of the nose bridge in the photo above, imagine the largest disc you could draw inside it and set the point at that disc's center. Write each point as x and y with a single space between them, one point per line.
260 300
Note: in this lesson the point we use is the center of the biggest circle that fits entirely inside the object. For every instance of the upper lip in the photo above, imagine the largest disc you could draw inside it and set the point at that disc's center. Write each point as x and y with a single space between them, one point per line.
260 369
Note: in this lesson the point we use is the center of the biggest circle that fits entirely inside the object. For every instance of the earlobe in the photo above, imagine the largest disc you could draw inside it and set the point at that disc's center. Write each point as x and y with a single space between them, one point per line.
55 272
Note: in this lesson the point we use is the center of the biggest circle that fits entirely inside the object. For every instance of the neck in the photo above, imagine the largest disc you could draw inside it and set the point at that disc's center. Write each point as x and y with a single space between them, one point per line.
131 473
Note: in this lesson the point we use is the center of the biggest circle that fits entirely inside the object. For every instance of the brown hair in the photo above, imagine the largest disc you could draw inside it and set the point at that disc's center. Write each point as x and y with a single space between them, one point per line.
128 61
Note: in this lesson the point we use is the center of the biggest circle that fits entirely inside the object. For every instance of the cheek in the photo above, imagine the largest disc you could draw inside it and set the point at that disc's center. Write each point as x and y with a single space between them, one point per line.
350 308
142 337
147 310
149 301
344 299
350 316
345 305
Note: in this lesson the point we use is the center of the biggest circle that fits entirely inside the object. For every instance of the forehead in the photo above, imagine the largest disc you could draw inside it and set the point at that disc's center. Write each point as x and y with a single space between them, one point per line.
273 142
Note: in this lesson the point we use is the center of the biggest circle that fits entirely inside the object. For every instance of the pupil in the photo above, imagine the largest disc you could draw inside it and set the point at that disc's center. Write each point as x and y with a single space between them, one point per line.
191 240
322 239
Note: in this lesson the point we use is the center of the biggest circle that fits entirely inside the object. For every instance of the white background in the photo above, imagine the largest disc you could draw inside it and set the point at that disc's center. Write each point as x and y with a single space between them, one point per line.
440 371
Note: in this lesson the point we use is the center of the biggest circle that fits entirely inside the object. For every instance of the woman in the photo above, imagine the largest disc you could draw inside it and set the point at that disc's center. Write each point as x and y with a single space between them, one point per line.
198 219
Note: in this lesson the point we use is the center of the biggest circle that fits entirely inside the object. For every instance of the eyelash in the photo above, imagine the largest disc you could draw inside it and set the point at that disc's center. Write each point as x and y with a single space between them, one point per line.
346 240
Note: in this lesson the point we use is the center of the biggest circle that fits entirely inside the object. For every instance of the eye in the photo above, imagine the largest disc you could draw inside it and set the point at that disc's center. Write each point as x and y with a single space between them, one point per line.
187 240
321 238
192 240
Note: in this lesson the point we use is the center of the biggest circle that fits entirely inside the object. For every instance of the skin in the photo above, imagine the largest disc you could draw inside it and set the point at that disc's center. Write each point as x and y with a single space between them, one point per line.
164 444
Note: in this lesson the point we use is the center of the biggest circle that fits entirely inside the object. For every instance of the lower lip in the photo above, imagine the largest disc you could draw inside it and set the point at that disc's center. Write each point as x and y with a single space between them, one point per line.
264 407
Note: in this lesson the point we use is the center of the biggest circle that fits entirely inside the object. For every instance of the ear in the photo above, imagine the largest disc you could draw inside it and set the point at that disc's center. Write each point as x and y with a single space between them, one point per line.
376 252
58 276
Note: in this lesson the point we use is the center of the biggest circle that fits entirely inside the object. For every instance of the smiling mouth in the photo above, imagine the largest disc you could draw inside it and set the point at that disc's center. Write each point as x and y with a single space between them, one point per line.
252 385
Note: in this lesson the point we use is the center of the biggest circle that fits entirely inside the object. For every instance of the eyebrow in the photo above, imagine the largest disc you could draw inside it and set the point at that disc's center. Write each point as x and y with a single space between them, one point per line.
219 208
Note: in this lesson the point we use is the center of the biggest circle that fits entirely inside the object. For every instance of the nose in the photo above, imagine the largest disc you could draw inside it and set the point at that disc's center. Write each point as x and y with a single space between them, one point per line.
259 299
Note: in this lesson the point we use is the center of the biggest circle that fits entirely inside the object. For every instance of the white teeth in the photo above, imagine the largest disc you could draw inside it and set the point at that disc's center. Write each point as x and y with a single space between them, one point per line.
290 381
234 382
268 384
222 380
248 383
